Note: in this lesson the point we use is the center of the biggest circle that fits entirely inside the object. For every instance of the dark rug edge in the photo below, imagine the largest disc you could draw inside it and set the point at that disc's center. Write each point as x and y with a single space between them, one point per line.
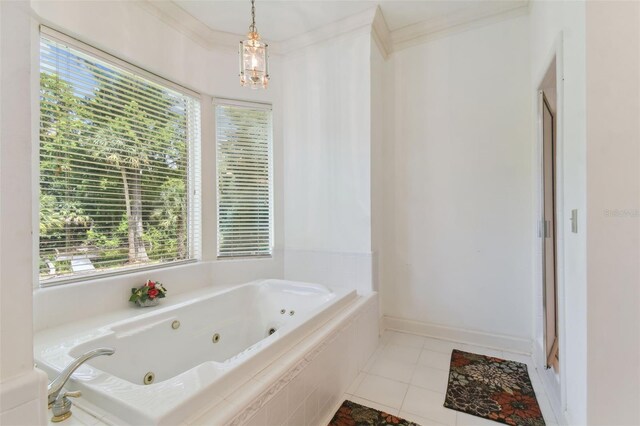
407 422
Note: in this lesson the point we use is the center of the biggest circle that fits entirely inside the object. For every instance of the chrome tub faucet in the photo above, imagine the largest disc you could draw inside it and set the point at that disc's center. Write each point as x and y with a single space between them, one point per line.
58 401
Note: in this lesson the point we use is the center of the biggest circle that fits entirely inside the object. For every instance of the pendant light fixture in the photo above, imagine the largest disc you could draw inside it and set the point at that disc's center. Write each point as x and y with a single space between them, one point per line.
254 65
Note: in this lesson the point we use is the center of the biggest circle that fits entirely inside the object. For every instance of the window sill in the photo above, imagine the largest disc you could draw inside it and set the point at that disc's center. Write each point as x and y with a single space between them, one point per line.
107 274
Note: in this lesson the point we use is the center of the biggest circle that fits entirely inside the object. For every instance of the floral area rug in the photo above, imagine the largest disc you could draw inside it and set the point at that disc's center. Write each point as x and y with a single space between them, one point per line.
352 414
492 388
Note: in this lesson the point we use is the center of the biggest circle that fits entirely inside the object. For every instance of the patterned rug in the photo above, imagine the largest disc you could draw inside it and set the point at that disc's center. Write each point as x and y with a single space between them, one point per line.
352 414
492 388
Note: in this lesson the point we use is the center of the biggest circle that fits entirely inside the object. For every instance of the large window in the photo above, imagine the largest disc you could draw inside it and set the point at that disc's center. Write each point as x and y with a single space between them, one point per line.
244 179
118 164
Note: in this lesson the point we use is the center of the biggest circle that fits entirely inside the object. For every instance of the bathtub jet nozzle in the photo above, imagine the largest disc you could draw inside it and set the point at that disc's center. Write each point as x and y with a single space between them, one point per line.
149 378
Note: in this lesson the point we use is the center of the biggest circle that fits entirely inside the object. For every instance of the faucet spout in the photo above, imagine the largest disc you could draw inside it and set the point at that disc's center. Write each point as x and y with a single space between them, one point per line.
57 384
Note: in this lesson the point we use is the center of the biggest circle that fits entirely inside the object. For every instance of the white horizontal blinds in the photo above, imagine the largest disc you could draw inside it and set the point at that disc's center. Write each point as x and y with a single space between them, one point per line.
244 180
118 162
194 167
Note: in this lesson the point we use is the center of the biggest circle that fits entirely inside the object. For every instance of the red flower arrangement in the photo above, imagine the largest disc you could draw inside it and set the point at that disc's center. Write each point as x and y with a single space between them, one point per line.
148 294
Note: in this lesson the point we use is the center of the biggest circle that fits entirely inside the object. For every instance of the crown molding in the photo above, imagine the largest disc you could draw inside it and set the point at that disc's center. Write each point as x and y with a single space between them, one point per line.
380 33
179 19
386 41
176 17
344 26
460 21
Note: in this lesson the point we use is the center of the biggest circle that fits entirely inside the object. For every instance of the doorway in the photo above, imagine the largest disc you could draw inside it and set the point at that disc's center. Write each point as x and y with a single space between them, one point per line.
548 121
550 274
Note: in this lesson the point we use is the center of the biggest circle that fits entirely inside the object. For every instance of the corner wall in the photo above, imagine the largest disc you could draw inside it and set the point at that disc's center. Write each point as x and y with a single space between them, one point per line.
458 207
379 160
327 169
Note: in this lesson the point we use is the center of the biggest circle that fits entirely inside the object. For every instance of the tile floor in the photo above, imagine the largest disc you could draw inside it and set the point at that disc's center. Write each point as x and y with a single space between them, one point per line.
407 376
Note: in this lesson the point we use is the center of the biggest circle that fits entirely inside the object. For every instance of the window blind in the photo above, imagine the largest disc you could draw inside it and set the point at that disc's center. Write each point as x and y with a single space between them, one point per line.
244 180
119 165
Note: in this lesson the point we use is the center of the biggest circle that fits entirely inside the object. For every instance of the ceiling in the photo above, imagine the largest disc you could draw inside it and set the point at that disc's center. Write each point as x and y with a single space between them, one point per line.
282 20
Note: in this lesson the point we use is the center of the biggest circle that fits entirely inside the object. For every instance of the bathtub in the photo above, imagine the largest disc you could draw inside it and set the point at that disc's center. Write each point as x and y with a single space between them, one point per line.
172 361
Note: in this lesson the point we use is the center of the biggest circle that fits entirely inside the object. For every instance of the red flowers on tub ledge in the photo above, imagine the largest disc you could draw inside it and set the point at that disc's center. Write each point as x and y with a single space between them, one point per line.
148 294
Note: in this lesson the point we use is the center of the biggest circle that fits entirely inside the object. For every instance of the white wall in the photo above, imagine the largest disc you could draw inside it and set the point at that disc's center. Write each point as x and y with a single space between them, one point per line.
559 27
21 386
327 167
459 206
613 201
379 170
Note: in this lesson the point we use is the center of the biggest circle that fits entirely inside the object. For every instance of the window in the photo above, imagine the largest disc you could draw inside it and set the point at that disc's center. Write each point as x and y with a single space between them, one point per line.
119 154
244 179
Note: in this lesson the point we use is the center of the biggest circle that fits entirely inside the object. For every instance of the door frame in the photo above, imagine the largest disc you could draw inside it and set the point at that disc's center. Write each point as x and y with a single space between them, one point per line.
546 105
554 382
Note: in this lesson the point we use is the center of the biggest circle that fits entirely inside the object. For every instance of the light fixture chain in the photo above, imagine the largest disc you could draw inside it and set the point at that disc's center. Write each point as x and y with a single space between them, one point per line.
253 16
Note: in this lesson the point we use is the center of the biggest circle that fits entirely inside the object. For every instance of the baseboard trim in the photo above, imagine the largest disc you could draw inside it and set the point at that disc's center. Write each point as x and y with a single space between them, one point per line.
473 337
552 390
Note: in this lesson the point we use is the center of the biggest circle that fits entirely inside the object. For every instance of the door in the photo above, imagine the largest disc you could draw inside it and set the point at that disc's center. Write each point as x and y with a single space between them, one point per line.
549 233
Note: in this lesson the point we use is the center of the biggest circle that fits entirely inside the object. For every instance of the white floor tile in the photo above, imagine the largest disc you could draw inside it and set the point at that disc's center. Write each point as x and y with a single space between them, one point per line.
356 382
375 405
438 345
386 335
433 359
381 390
419 420
404 354
428 404
374 356
391 369
405 339
463 419
430 378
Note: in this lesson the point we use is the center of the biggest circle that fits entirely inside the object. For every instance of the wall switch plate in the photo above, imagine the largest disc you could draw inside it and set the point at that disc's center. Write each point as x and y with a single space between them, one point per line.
574 221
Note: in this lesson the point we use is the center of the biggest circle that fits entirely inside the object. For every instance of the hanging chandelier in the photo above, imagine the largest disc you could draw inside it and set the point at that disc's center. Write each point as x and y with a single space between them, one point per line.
254 59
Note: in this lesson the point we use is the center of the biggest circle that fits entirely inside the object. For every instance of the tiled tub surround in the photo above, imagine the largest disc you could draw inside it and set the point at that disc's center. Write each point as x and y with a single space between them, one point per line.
305 386
180 393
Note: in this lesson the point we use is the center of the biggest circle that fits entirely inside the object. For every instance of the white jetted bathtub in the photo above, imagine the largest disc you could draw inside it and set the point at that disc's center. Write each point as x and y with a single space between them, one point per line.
189 354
